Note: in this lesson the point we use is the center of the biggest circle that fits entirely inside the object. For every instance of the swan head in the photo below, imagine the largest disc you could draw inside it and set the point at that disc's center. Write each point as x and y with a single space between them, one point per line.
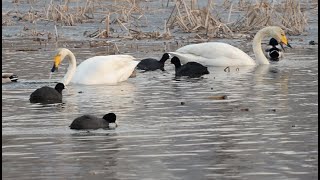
278 34
110 118
60 55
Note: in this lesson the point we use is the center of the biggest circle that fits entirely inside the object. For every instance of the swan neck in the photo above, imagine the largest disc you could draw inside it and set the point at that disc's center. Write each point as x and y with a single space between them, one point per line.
71 68
260 57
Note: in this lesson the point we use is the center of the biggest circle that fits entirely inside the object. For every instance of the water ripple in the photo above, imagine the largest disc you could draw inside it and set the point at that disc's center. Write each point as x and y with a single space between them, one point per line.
168 128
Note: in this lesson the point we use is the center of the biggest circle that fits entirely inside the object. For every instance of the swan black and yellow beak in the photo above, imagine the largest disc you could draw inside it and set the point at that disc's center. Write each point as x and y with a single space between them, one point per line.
57 61
284 40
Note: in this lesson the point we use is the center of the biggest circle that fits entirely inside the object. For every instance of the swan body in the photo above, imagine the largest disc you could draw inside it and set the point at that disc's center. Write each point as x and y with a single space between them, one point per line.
93 122
190 69
47 94
9 77
222 54
213 54
96 70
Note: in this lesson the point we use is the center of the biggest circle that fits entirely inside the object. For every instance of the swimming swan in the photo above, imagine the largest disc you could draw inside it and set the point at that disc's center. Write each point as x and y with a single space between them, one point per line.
9 77
93 122
95 70
222 54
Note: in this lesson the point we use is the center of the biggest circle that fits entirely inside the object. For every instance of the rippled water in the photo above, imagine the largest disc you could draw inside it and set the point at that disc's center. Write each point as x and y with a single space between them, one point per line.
266 129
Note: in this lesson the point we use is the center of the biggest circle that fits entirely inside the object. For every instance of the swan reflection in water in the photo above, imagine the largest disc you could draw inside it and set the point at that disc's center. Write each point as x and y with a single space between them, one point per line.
118 98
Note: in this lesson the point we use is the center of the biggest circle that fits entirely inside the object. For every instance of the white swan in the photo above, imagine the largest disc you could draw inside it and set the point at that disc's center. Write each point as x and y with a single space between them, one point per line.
95 70
222 54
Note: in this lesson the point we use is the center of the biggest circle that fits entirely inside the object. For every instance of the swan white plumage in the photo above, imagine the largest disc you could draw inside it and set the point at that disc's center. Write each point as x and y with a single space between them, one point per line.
222 54
95 70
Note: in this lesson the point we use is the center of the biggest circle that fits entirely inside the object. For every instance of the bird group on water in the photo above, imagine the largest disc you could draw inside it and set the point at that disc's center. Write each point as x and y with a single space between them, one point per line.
190 61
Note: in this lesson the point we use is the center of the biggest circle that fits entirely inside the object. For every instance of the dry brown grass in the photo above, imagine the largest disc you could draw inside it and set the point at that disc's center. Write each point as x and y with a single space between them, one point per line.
255 15
127 18
292 17
287 14
68 16
7 20
189 18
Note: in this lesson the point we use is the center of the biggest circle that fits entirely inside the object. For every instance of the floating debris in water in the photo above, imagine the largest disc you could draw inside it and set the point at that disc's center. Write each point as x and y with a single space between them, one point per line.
272 110
244 109
218 97
182 103
26 49
225 69
312 43
80 92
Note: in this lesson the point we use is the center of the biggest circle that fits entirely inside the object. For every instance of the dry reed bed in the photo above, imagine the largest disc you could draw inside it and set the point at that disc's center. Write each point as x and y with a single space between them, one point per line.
191 19
123 14
129 18
288 14
126 18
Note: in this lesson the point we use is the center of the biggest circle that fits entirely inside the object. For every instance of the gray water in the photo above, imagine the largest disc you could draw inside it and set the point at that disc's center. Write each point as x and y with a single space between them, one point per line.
267 128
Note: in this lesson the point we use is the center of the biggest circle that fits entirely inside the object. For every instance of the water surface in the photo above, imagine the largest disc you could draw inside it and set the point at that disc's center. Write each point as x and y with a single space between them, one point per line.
267 128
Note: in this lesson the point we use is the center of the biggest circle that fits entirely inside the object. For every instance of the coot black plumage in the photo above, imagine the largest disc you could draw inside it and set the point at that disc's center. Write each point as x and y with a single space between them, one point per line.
93 122
47 94
274 53
151 64
190 69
